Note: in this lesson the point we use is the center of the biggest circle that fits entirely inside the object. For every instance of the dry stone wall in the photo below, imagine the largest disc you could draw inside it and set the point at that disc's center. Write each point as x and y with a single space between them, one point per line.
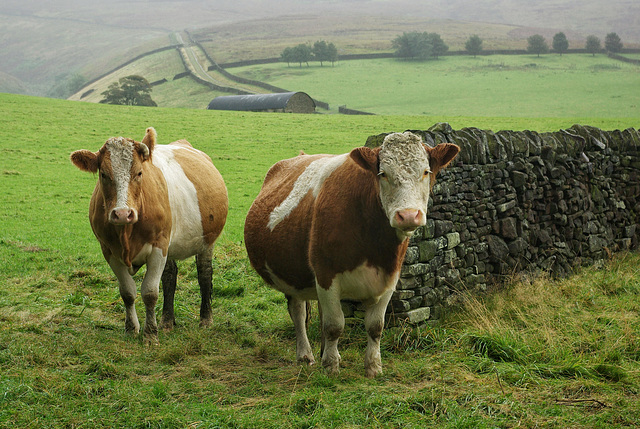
518 201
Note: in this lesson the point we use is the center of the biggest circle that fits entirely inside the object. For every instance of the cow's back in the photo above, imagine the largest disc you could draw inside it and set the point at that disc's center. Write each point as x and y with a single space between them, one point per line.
197 196
279 221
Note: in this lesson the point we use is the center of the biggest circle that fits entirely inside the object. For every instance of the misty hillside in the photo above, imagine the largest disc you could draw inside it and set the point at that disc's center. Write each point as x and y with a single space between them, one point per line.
47 44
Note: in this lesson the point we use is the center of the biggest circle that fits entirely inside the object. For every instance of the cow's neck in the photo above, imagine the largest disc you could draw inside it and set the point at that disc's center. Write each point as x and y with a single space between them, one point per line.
386 245
124 235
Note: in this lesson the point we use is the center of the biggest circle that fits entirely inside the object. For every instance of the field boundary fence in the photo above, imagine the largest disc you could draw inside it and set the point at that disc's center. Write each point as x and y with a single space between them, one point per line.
517 202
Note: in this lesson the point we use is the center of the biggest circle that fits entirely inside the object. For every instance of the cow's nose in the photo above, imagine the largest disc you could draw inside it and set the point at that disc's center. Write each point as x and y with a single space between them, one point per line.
123 216
409 219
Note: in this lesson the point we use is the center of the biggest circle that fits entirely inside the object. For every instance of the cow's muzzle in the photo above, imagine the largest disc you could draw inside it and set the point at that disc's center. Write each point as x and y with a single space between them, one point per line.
123 216
408 220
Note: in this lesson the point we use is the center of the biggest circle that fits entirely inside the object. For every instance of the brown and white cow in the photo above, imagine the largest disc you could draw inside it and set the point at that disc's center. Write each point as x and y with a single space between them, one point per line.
332 227
154 204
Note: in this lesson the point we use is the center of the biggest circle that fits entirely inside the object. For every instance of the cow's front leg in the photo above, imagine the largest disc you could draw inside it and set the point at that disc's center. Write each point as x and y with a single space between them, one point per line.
205 272
374 323
332 325
169 280
128 293
149 291
298 312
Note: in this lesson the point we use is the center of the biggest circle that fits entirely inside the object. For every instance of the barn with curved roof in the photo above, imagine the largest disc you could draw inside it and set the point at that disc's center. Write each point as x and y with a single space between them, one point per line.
287 102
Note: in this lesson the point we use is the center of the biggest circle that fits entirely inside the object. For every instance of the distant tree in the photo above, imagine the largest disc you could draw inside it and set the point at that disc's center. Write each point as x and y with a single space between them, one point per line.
287 56
332 53
323 51
474 45
131 90
438 47
537 45
415 45
404 45
560 43
612 43
593 45
302 54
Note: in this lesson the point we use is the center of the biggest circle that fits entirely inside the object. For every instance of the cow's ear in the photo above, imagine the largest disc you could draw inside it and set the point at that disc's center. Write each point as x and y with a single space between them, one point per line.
150 139
441 155
85 160
366 158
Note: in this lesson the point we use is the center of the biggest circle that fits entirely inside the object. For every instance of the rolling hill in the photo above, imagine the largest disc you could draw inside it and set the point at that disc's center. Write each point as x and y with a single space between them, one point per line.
43 43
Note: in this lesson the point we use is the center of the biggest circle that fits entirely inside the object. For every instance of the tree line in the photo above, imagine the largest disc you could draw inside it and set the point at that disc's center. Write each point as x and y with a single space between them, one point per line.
303 53
422 46
537 44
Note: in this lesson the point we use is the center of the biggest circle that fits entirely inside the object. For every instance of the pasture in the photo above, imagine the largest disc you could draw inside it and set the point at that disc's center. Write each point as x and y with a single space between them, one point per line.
527 86
540 353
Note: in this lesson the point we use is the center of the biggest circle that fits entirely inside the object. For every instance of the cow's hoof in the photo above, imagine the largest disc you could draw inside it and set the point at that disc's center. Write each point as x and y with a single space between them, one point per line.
167 325
131 328
205 322
150 340
332 366
306 360
332 370
373 372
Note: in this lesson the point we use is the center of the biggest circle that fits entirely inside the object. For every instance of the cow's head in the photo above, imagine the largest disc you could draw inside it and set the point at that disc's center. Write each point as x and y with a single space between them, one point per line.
119 163
406 169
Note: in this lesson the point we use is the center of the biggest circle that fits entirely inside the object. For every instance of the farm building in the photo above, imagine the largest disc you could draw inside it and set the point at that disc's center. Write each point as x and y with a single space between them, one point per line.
287 102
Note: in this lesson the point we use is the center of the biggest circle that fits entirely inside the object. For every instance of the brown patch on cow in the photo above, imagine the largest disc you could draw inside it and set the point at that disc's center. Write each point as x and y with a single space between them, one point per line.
285 249
352 227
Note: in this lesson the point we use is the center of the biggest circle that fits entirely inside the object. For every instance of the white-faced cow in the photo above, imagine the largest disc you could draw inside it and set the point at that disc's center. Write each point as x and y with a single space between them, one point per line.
332 227
154 204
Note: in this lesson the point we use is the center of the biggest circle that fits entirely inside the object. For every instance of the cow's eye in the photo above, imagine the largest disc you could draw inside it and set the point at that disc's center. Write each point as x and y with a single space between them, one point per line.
104 176
382 174
426 172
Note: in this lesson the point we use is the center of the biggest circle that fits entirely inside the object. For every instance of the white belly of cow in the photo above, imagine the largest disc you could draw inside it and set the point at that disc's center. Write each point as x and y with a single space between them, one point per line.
365 283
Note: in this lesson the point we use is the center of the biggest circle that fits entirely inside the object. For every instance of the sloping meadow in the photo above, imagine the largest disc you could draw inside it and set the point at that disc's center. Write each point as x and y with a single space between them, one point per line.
539 353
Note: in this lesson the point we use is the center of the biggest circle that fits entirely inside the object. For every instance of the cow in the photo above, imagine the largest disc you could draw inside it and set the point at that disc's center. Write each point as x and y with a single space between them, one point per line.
154 204
333 227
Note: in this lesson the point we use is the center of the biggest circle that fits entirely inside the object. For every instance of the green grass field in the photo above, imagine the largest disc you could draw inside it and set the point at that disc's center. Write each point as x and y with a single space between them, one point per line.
523 86
65 361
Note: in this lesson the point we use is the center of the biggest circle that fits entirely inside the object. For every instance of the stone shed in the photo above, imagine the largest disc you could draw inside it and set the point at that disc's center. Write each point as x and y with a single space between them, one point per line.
283 102
516 201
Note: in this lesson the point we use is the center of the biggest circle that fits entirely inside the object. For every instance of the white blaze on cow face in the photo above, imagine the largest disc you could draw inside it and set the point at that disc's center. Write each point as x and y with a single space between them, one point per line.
405 182
118 178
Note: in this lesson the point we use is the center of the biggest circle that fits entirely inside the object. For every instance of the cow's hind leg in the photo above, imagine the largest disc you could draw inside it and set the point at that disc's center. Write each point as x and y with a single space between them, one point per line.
169 280
332 326
374 323
299 312
205 272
